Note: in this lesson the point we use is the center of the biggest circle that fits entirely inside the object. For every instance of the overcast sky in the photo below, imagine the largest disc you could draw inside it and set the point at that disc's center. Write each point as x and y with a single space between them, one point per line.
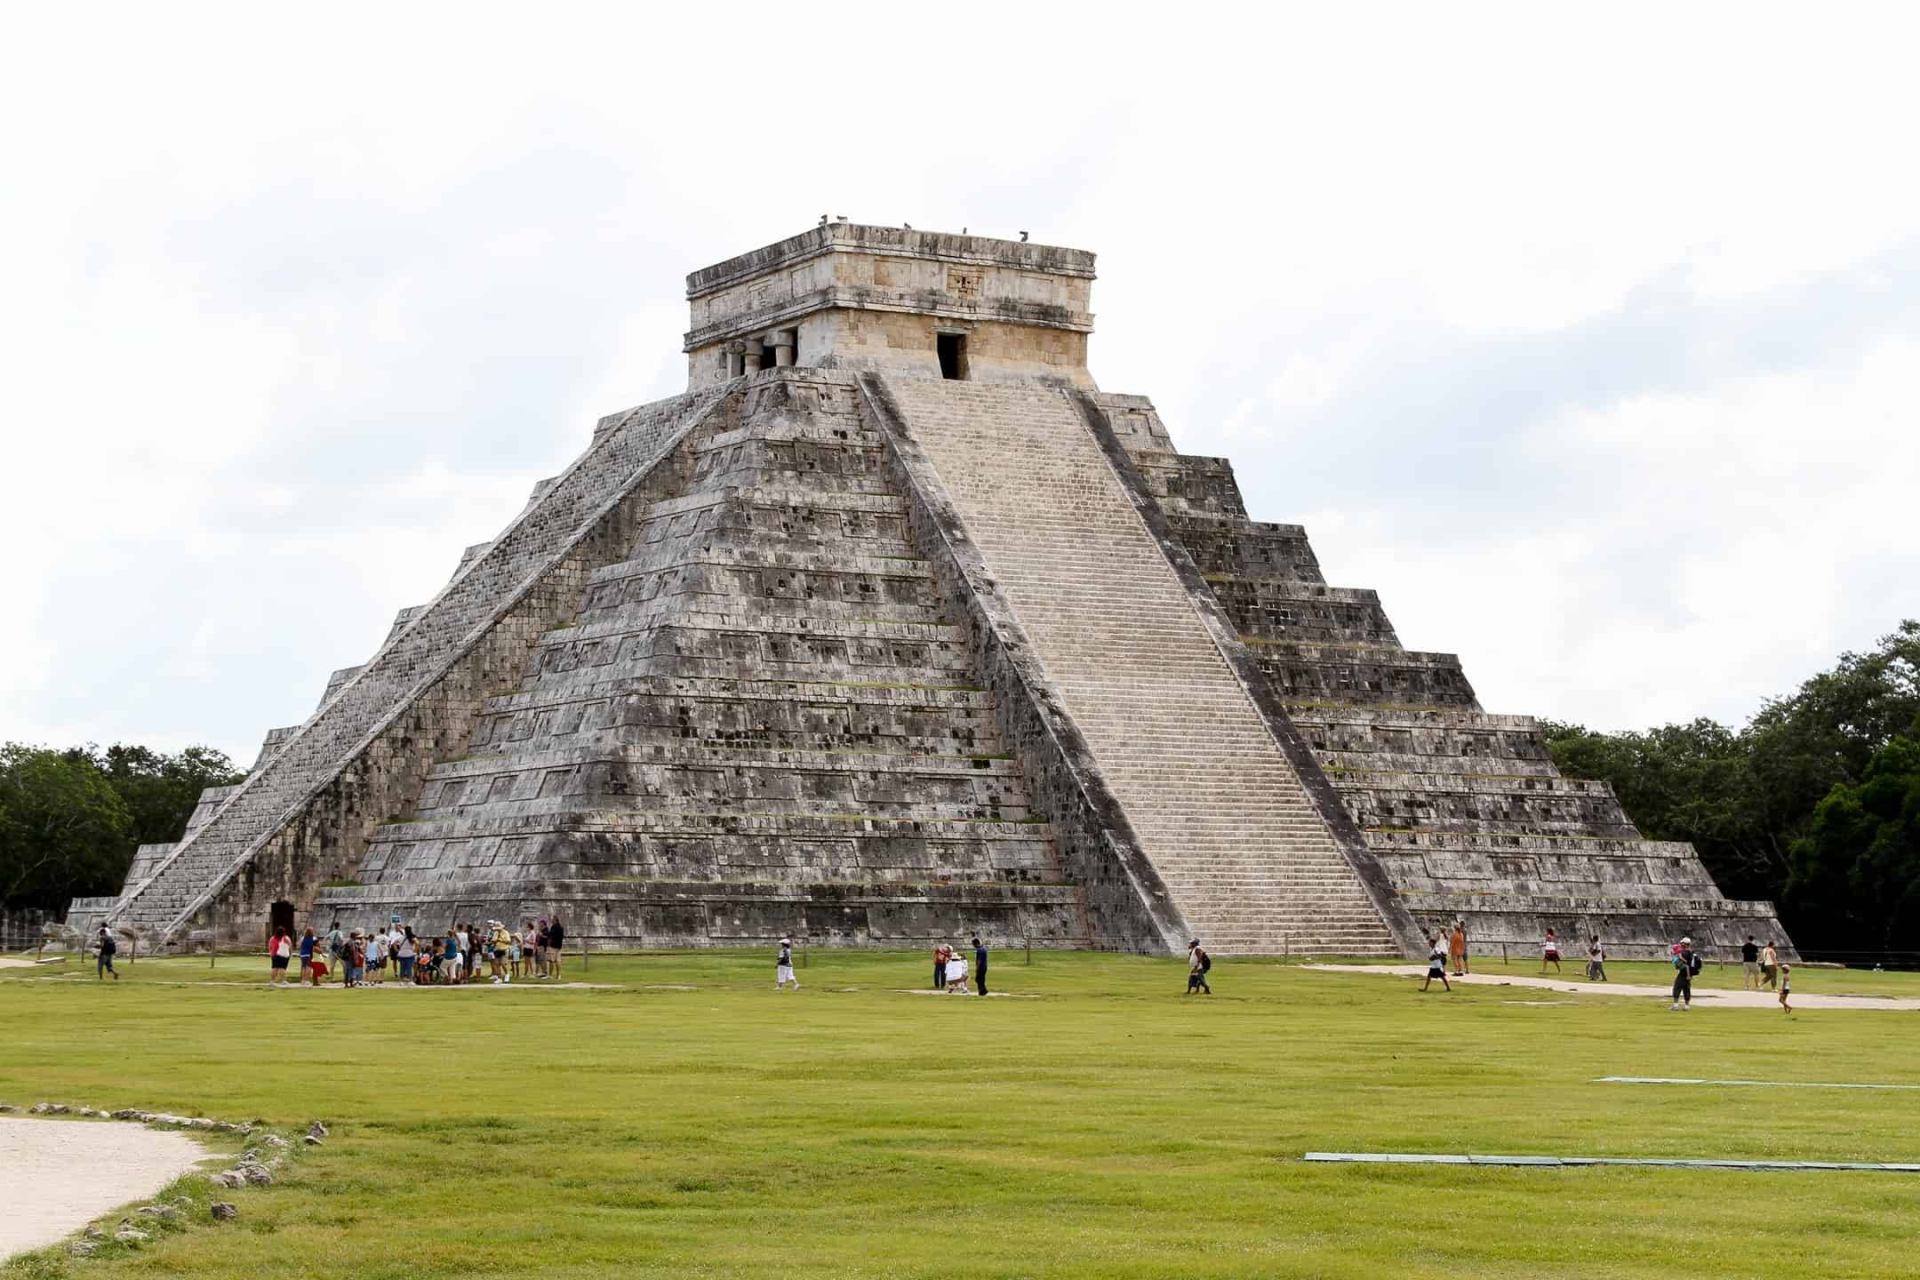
1594 345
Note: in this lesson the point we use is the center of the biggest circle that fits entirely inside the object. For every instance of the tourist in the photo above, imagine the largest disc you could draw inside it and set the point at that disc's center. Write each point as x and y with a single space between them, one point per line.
1770 964
1750 964
539 933
1436 963
1198 963
1457 947
783 966
979 965
556 946
514 968
407 952
1596 960
1786 987
956 972
1550 952
337 946
940 966
307 943
1685 964
377 953
319 974
106 947
503 949
450 955
353 962
280 953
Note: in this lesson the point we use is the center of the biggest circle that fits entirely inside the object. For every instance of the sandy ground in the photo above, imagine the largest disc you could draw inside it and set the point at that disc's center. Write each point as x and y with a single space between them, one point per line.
1701 995
62 1174
7 962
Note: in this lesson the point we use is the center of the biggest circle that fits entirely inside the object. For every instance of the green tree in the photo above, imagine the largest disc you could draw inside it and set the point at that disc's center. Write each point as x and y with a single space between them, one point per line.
64 830
1856 873
159 790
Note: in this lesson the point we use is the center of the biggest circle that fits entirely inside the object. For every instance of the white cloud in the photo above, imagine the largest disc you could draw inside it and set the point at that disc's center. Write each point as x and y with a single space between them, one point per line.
295 310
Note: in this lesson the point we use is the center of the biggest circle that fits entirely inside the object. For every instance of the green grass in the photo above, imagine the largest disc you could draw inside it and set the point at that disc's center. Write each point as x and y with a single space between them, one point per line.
688 1120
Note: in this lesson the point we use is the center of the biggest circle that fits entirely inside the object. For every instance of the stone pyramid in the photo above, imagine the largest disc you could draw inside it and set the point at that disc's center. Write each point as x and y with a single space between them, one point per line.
895 628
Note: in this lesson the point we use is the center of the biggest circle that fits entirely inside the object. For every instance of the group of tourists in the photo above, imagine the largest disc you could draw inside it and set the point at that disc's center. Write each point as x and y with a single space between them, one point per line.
1761 966
950 969
364 957
1760 969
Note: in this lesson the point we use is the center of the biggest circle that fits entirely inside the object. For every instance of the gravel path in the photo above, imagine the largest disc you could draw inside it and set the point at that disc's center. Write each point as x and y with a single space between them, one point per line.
1701 995
62 1174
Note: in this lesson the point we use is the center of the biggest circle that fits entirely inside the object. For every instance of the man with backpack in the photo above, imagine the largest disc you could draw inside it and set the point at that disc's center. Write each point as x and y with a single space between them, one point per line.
1198 962
1686 965
107 947
337 947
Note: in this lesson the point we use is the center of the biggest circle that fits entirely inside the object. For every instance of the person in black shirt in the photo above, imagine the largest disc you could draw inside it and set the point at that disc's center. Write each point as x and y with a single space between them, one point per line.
979 965
783 966
1750 964
556 946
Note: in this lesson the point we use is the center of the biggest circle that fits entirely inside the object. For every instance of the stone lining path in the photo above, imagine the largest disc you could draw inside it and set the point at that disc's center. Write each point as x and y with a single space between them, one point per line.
1701 995
62 1174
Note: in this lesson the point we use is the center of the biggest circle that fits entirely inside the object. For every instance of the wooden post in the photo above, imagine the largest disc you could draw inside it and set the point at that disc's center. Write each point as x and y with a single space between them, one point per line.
1029 942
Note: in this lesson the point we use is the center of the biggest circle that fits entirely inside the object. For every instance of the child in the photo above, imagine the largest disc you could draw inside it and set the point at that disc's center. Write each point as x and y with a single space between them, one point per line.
1436 964
1786 986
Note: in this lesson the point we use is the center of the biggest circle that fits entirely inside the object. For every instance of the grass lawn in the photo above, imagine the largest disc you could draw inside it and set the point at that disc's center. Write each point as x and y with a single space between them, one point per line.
687 1120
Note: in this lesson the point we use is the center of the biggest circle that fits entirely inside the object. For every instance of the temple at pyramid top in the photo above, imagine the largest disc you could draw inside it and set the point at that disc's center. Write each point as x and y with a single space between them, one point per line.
926 303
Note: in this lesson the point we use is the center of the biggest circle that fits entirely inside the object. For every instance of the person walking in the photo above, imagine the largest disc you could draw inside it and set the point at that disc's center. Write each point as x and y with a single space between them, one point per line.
1770 964
1786 987
407 952
783 967
1436 962
307 944
106 946
1550 952
1596 960
940 966
1198 964
556 947
1457 947
1685 965
279 954
979 966
1750 964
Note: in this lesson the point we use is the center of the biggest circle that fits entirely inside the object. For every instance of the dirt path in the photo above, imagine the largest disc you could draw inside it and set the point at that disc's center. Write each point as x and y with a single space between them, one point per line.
1701 995
62 1174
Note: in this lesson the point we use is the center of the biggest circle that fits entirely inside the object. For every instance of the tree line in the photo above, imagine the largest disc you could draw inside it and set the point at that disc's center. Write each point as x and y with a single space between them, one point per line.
71 818
1814 804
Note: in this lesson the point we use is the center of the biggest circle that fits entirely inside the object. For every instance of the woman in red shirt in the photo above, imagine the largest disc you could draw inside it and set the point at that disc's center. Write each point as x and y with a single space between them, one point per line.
280 951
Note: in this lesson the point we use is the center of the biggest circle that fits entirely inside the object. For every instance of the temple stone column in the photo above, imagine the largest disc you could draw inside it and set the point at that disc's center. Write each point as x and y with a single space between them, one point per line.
756 355
783 344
